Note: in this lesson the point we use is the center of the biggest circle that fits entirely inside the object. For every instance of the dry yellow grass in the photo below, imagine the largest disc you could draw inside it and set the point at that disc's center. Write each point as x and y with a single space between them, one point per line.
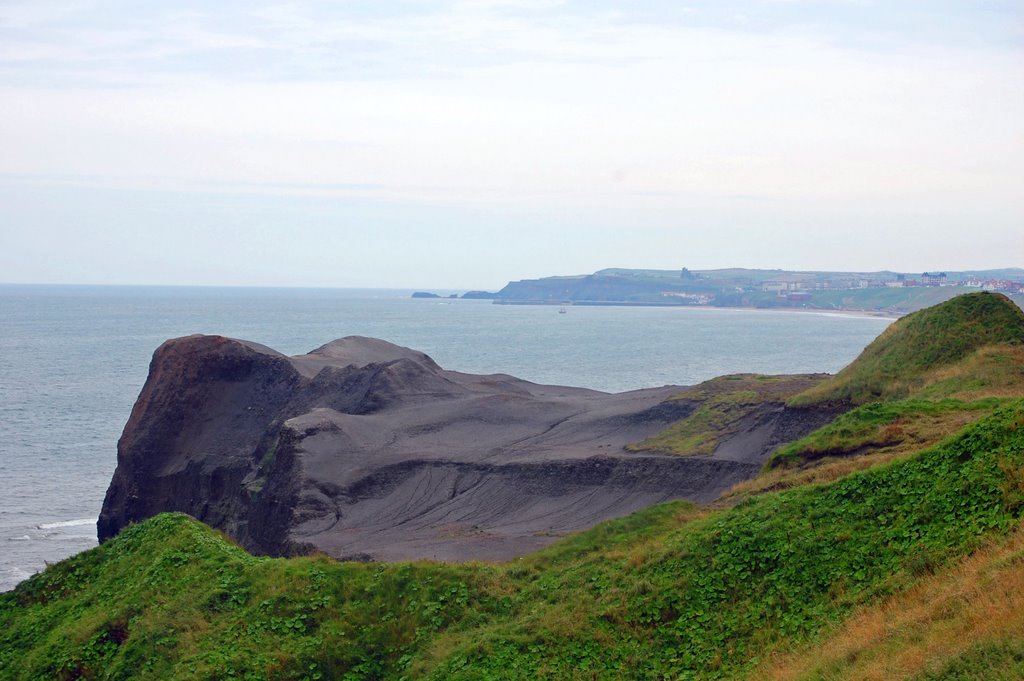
977 601
993 371
825 470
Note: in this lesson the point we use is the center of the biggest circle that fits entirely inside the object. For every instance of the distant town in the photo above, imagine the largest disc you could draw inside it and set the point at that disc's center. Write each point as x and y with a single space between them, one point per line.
796 284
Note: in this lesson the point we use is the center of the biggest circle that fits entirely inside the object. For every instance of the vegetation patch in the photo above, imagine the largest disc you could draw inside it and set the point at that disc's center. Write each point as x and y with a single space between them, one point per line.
964 622
172 599
725 403
883 428
822 471
992 371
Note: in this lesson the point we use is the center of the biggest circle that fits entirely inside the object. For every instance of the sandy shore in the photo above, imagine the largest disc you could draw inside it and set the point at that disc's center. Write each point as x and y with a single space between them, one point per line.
819 311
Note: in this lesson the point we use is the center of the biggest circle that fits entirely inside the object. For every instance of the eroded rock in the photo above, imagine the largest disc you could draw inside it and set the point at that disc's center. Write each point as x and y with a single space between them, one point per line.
368 450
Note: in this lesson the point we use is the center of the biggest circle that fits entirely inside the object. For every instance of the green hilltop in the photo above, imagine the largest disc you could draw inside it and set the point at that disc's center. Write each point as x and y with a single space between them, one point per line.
915 349
781 580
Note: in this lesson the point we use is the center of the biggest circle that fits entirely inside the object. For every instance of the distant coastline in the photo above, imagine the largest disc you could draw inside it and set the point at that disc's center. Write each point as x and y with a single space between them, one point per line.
884 294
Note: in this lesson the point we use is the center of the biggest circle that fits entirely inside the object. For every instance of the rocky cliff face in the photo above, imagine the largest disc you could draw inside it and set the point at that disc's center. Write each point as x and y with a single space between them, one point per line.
364 449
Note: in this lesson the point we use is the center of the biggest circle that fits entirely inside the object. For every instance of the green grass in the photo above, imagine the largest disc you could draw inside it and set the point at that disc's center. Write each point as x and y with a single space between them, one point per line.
898 362
172 599
671 592
878 426
994 661
724 403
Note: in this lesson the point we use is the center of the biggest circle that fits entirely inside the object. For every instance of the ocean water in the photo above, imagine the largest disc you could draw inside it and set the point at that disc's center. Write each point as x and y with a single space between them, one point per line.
73 359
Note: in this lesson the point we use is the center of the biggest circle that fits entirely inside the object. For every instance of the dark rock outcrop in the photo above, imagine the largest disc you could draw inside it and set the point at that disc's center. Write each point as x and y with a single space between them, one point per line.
369 450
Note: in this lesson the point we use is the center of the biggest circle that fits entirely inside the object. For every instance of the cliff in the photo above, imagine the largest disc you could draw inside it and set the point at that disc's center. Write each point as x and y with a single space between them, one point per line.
367 450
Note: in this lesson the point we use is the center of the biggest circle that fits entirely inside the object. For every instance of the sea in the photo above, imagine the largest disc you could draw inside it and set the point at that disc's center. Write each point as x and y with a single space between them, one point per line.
73 359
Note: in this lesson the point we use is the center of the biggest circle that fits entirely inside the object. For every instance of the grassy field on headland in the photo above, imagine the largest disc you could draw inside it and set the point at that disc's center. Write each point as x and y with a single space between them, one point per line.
887 544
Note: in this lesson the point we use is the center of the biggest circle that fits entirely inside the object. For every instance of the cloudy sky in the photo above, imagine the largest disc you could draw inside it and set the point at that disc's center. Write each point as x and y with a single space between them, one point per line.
422 143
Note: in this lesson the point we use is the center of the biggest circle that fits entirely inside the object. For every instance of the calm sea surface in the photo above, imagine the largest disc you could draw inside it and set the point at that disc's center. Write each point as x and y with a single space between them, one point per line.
73 359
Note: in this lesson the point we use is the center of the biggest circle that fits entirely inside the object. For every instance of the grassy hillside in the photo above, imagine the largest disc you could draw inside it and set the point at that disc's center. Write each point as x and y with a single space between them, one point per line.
673 591
915 350
971 612
914 392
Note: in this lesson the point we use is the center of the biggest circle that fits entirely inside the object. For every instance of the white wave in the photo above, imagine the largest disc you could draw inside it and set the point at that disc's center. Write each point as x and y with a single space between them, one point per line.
67 523
10 577
23 537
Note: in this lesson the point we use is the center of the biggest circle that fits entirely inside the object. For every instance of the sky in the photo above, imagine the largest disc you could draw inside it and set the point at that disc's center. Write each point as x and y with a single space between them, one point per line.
464 144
